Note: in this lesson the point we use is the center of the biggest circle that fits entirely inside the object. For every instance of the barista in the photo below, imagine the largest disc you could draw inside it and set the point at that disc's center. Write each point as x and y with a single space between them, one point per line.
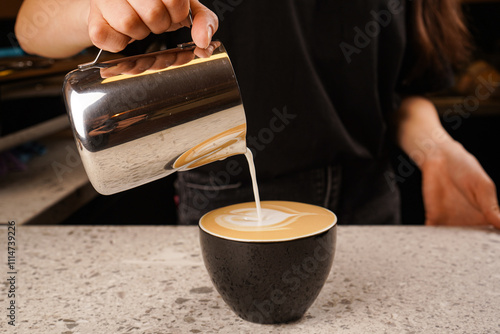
326 86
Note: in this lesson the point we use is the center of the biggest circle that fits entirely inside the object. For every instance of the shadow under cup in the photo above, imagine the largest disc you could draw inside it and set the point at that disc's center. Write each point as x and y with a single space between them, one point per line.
269 282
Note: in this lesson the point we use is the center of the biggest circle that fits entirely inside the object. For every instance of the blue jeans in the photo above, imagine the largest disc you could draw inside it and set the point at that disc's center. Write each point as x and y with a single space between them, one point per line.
357 194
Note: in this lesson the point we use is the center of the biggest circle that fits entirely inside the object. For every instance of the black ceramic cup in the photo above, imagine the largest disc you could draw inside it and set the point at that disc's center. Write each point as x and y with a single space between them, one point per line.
269 282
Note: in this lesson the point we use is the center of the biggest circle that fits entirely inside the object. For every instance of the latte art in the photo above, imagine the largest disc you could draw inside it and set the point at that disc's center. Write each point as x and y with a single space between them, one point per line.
280 221
247 219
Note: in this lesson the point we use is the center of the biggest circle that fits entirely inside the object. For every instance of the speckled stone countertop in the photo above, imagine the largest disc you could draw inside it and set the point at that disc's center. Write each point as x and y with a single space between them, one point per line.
132 279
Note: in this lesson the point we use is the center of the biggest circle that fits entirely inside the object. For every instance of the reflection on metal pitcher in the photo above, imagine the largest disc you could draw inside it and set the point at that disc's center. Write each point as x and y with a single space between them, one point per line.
137 119
213 149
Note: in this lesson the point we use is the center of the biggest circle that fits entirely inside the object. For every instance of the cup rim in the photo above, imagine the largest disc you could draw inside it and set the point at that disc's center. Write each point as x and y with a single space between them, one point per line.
262 241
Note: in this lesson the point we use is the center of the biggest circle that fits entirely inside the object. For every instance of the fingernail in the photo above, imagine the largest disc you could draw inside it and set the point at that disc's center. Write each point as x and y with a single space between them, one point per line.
210 33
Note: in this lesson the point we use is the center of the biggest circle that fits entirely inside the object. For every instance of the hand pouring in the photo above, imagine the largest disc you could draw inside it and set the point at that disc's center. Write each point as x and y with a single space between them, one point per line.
137 119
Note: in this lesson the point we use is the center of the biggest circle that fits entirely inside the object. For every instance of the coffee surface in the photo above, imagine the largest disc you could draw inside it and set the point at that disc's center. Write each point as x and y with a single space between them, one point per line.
281 221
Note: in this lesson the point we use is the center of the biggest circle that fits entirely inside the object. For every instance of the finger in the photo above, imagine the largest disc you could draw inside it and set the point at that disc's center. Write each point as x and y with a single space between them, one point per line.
153 14
448 206
488 202
205 24
122 17
466 216
119 68
430 222
105 37
140 65
183 58
205 53
493 216
177 9
163 61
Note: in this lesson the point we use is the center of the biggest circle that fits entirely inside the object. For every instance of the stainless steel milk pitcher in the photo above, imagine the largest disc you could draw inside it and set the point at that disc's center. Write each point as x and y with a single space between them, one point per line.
137 119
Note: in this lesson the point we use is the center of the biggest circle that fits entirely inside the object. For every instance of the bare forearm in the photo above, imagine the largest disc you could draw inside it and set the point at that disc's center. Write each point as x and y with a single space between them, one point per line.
419 130
54 28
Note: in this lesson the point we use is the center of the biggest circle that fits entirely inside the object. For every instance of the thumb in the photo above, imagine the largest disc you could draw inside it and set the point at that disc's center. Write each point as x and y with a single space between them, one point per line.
430 222
205 24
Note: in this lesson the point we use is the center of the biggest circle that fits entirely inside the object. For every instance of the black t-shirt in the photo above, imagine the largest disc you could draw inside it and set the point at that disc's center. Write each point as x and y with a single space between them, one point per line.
318 79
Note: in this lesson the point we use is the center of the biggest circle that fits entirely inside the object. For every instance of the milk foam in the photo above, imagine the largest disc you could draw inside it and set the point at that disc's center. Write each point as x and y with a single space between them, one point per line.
247 219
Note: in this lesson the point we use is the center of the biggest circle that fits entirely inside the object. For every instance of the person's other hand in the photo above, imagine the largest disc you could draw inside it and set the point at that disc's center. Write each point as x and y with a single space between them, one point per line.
456 189
112 24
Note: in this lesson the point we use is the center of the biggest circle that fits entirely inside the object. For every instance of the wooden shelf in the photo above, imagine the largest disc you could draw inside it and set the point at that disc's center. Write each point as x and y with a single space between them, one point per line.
53 187
446 106
34 132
